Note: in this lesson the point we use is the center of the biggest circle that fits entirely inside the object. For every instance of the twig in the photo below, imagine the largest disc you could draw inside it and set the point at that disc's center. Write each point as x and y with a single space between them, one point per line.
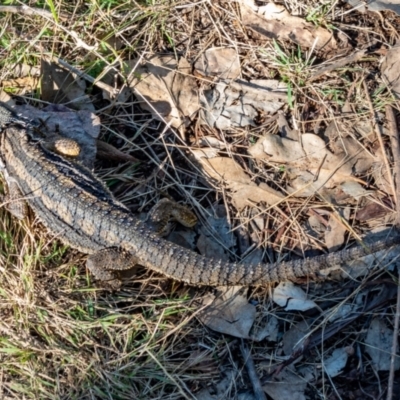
25 10
394 141
379 137
107 151
338 64
251 370
394 345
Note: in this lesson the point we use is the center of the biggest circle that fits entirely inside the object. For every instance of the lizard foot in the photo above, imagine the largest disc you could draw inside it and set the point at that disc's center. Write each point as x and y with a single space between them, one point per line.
108 264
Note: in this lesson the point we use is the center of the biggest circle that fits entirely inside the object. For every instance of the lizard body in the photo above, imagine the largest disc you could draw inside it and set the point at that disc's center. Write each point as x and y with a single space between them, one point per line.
78 209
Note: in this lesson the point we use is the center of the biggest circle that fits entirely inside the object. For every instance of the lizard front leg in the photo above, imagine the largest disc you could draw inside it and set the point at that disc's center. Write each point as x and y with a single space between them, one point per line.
13 198
14 201
166 211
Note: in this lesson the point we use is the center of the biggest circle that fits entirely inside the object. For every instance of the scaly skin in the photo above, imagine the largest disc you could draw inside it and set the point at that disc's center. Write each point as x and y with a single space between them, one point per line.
79 210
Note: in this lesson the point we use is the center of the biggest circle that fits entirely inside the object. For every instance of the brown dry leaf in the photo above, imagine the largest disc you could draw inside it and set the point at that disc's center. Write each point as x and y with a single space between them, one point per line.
268 329
62 86
216 234
228 312
334 364
336 230
376 5
390 69
287 385
361 160
220 62
211 141
379 345
336 63
237 104
292 297
315 227
372 210
293 338
244 192
310 164
273 21
341 135
248 194
354 189
350 147
380 174
165 88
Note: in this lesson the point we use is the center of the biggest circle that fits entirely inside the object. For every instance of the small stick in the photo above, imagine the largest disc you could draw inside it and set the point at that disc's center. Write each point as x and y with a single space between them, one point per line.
251 370
379 137
394 141
394 345
25 10
338 64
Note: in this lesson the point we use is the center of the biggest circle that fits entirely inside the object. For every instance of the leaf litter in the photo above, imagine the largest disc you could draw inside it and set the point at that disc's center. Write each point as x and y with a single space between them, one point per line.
228 312
292 297
379 345
309 177
273 21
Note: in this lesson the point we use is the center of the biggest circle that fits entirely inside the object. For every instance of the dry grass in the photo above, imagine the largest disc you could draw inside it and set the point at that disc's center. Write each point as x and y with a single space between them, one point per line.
61 337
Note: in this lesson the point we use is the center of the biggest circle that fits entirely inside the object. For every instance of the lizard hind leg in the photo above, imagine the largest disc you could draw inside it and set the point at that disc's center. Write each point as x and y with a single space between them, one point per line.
108 265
